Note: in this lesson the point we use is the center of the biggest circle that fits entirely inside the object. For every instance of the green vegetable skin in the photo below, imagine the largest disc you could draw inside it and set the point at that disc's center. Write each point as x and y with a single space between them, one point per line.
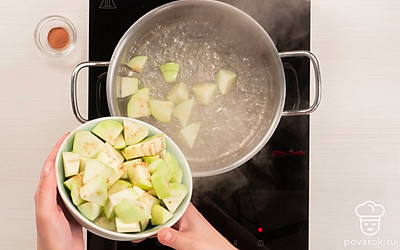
170 71
123 195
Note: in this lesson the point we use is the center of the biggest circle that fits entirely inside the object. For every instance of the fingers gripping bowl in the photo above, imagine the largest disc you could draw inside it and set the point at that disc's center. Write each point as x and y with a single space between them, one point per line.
124 187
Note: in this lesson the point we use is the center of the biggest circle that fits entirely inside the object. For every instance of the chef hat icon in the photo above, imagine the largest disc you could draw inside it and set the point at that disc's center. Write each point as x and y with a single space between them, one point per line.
370 209
370 215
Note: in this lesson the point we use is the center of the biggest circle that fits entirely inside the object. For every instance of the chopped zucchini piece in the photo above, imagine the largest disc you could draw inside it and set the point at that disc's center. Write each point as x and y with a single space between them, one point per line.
71 163
205 92
86 144
225 80
108 130
138 105
189 133
160 215
128 86
137 63
134 132
170 71
183 111
161 110
90 210
178 94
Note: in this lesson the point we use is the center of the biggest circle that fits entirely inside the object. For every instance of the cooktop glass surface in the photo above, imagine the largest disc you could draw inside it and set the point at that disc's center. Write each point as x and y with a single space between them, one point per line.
263 203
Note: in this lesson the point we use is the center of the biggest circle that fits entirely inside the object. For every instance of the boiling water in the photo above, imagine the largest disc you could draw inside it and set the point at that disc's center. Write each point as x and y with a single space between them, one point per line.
230 122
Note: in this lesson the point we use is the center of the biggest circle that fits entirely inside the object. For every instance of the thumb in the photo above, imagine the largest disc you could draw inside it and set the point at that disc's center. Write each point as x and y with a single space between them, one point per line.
175 239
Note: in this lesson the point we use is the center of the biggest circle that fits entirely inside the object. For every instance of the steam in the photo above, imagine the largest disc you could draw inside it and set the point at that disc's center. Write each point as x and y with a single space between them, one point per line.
280 18
277 18
225 184
259 170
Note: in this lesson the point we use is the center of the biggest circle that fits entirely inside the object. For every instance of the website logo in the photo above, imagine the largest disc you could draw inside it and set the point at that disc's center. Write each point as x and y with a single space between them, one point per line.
370 214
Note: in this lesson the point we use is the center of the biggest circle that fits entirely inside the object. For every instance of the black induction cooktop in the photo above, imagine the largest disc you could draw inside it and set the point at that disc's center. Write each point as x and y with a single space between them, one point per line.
263 203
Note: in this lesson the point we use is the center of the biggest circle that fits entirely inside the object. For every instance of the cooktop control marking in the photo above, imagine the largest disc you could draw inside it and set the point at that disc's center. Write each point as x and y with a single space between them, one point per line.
108 5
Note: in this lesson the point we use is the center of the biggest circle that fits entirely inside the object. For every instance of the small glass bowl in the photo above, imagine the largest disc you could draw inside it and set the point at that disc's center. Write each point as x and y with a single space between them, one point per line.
42 30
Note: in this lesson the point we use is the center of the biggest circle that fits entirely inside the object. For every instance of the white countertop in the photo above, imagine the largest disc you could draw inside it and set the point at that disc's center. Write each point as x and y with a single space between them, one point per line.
355 133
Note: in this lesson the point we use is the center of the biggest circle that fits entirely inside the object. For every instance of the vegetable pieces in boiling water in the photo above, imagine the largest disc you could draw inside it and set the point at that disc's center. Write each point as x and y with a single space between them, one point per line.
177 101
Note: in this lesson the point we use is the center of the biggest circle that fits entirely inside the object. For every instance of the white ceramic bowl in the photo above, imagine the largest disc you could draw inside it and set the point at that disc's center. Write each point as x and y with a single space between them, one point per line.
171 146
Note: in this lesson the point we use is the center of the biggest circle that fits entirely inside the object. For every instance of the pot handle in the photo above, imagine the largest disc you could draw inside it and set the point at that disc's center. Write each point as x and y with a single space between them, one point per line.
317 76
74 82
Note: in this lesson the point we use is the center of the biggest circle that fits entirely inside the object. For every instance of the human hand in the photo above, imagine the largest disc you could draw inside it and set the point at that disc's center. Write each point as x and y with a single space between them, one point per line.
55 229
193 232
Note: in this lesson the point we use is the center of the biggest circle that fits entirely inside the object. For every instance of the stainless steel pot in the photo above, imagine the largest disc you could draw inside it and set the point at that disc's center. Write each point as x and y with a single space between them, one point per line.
232 25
